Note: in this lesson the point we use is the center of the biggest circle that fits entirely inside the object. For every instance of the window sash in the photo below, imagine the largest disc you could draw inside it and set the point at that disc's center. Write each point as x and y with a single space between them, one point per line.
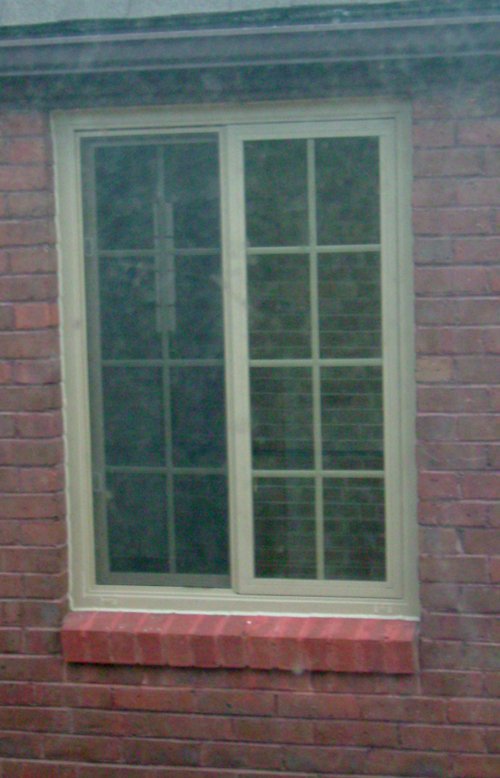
391 123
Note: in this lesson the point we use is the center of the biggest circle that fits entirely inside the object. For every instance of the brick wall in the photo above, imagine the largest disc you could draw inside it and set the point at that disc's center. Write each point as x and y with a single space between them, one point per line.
84 721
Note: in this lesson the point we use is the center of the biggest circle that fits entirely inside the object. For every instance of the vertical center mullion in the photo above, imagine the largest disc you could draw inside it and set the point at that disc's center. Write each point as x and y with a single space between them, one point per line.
315 351
164 258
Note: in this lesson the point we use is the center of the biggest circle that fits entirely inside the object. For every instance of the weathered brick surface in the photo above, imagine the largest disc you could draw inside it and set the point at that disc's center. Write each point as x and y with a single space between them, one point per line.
100 721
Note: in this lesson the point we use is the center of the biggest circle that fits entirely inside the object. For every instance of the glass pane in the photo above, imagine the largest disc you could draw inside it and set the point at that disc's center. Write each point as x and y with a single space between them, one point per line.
128 326
133 416
349 306
276 192
281 411
352 420
347 180
198 416
278 303
198 331
137 526
125 185
354 529
201 524
191 171
284 520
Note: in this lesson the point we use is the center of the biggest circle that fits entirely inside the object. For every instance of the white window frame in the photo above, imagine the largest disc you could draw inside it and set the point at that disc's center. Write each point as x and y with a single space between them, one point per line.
398 595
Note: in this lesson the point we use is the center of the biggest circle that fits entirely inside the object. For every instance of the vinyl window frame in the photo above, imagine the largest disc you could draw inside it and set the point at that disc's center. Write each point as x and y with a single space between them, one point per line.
398 595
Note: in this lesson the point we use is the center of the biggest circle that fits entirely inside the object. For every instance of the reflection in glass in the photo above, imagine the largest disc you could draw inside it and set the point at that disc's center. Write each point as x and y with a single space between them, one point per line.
133 416
281 413
349 306
156 353
125 185
201 524
128 327
198 333
347 179
137 526
284 519
354 529
352 420
198 417
279 308
191 184
276 192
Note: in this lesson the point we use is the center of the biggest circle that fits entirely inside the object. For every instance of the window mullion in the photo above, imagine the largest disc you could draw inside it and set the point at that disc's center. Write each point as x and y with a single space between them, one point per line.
91 255
315 352
164 247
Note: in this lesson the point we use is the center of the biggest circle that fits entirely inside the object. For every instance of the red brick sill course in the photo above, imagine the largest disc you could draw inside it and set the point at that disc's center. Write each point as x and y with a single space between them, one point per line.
258 642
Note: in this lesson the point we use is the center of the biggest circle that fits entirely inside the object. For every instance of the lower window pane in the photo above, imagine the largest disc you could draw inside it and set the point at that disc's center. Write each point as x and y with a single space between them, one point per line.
198 417
354 529
281 410
137 523
284 515
201 525
352 418
133 416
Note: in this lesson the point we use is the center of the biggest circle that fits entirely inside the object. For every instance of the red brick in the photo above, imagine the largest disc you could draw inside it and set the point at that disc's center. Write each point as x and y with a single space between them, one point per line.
434 134
33 260
30 177
479 133
37 452
30 398
432 192
454 569
318 706
432 738
26 232
447 683
19 122
242 756
438 485
28 288
26 151
82 749
480 766
474 712
36 371
448 162
25 204
33 316
473 250
454 221
481 541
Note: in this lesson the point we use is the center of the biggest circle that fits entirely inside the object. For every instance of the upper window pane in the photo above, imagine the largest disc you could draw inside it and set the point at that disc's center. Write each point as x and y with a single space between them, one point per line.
347 179
125 183
276 192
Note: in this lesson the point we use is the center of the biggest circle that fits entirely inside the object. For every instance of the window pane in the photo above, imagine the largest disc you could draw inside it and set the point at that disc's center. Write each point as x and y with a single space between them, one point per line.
354 529
137 526
133 416
347 179
191 184
198 416
128 328
351 399
278 303
201 524
349 305
284 528
281 411
198 331
125 185
276 192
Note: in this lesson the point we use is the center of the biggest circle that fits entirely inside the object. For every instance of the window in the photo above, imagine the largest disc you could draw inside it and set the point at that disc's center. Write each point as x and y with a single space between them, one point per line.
237 318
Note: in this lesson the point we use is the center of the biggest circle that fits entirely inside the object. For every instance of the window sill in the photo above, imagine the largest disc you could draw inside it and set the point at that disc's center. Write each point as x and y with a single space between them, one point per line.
350 645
